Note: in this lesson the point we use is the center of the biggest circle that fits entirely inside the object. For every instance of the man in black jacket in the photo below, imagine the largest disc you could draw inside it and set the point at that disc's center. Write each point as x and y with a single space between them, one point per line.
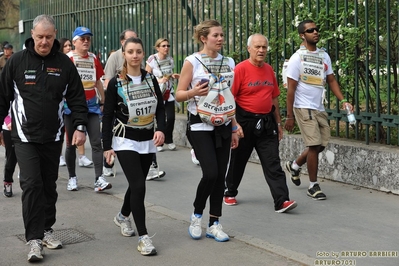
35 83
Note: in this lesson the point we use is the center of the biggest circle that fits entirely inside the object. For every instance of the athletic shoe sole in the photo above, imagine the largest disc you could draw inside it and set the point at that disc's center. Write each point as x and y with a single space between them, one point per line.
314 197
217 239
288 208
230 204
152 252
160 175
99 189
35 258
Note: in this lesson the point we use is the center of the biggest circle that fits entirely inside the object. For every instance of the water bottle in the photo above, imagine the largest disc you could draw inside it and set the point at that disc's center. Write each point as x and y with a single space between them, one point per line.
350 115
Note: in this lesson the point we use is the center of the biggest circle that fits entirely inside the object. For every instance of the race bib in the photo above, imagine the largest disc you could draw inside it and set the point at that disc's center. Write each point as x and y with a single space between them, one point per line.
312 68
87 70
141 102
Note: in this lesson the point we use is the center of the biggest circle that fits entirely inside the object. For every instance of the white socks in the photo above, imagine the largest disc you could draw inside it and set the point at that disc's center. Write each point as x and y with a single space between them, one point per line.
295 166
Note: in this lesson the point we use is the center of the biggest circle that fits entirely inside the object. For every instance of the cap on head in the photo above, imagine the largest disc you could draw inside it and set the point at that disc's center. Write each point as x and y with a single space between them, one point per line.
7 46
80 31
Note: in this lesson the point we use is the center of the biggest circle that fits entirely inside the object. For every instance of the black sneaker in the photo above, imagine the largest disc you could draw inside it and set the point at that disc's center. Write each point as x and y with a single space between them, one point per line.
316 193
7 189
294 173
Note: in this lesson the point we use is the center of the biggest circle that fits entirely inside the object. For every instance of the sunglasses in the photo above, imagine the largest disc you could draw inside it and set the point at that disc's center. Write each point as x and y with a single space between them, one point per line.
85 38
311 30
165 45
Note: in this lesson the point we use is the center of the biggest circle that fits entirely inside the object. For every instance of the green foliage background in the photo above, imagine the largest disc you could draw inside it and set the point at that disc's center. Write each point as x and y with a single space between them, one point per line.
9 16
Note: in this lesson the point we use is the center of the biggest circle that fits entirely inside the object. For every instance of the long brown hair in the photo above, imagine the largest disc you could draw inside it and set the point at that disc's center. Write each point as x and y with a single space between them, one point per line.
123 74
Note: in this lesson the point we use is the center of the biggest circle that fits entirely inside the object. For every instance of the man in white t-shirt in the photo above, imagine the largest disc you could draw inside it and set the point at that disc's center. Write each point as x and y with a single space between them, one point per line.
308 70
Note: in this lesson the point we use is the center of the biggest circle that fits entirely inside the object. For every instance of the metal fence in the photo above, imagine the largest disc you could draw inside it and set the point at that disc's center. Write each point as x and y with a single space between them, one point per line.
360 36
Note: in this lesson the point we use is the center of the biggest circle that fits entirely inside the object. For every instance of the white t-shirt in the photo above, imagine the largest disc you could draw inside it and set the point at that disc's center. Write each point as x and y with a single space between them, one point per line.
198 74
306 95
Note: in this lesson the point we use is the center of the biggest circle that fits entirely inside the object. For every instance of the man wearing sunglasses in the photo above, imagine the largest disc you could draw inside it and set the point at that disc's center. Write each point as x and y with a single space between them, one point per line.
308 70
90 71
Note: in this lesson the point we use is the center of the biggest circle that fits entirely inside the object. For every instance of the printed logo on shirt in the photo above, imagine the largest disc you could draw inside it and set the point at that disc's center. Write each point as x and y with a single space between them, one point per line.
51 71
30 77
84 64
260 83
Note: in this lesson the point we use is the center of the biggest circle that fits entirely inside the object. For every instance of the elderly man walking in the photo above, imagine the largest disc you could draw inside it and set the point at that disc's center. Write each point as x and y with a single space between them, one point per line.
256 93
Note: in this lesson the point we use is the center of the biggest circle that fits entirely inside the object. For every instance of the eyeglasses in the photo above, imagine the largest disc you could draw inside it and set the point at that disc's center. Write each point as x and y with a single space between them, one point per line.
85 38
311 30
165 45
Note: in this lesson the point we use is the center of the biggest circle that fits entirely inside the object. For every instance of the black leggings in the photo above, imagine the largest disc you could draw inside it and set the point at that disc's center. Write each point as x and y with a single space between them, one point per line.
214 162
135 167
170 121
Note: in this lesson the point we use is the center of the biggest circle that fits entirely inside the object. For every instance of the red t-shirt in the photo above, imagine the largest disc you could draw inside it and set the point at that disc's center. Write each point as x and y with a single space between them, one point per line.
99 73
255 87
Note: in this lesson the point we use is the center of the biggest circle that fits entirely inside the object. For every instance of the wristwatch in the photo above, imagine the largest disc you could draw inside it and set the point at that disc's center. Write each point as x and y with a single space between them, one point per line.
81 128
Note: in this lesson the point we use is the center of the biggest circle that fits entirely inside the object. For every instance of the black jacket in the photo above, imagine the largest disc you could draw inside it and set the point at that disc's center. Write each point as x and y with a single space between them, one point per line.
36 87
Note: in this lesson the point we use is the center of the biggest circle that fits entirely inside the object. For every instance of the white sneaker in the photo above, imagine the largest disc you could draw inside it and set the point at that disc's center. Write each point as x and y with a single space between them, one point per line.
160 148
101 184
84 161
36 250
193 158
154 173
216 232
72 184
108 171
62 161
195 230
50 241
145 246
125 225
171 146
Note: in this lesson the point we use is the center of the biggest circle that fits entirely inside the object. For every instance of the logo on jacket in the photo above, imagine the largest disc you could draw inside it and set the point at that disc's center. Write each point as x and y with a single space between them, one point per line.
51 71
30 77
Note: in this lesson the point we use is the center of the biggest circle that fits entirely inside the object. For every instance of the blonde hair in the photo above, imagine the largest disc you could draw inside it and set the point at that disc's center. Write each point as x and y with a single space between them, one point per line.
203 29
159 41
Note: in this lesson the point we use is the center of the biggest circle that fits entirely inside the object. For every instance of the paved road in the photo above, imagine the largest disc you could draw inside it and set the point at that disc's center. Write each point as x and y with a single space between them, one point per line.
352 221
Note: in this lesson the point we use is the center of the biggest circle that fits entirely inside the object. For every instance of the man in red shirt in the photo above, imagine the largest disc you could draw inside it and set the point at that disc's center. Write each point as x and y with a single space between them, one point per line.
256 92
90 71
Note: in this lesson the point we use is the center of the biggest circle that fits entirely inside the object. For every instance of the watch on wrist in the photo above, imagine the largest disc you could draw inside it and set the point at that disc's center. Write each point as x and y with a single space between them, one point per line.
81 128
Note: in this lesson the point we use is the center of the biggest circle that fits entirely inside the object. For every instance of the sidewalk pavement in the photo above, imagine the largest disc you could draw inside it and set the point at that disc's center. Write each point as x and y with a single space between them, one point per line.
354 226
